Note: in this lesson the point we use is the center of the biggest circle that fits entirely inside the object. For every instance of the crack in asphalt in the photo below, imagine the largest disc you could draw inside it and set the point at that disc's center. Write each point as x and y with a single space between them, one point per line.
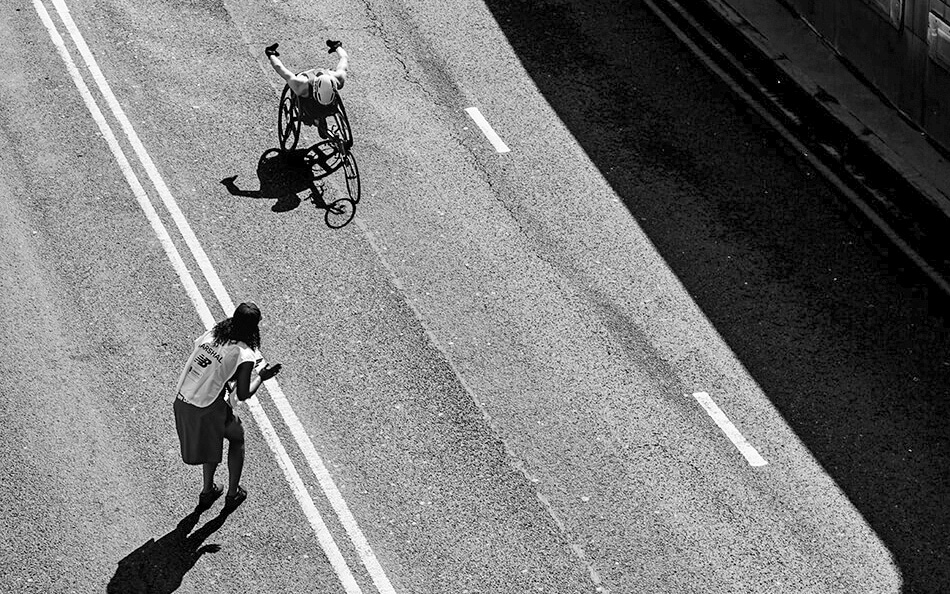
377 27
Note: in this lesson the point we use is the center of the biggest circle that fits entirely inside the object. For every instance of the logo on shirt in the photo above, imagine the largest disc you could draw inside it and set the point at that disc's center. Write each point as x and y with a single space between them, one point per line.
202 361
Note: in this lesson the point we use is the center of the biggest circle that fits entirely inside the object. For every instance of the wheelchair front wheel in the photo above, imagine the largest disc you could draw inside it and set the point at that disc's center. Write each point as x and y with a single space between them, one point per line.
339 213
352 173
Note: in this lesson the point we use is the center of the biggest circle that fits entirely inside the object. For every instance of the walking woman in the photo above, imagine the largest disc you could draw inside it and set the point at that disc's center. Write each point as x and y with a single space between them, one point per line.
220 368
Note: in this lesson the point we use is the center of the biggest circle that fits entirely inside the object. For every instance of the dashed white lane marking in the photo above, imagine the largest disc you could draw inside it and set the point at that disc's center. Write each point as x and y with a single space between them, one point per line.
744 447
324 536
487 130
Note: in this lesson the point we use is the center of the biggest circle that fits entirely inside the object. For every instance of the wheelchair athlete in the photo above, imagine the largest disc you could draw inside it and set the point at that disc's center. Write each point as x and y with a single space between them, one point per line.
316 89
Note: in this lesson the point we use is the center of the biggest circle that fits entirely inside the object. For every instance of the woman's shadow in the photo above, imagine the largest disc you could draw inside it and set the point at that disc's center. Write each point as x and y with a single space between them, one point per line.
283 175
159 566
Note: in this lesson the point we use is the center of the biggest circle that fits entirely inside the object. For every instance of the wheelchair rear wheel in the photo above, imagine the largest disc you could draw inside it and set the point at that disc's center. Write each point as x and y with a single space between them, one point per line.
288 120
343 124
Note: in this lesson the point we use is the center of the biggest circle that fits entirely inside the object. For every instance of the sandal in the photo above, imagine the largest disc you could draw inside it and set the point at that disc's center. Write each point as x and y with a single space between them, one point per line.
232 501
205 499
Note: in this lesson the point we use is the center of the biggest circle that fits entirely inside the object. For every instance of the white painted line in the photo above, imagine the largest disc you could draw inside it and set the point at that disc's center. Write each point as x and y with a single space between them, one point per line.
487 130
190 239
156 223
744 447
323 534
330 490
324 537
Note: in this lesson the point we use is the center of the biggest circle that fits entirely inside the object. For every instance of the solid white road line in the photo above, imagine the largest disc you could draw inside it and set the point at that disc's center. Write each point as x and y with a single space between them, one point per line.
146 205
487 130
324 537
744 447
323 534
330 490
190 239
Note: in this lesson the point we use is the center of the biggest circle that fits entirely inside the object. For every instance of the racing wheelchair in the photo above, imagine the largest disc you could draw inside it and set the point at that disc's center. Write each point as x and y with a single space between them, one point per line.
331 154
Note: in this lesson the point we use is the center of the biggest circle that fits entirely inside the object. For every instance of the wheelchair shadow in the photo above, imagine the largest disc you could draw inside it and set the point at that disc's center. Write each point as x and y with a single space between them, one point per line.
284 175
159 566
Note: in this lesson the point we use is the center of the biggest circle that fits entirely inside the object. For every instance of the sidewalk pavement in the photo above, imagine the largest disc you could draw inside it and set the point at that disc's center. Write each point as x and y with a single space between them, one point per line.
779 47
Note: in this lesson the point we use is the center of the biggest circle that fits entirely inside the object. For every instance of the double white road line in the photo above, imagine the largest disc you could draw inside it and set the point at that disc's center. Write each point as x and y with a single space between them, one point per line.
328 486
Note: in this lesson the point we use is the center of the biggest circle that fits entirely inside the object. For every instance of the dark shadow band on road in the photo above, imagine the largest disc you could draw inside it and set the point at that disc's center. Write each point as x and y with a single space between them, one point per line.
841 333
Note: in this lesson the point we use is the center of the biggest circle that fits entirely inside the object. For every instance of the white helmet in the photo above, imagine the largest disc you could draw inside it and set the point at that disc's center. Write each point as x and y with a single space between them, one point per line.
324 89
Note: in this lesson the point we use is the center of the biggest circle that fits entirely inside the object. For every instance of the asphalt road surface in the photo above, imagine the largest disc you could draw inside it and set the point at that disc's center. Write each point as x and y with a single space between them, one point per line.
493 375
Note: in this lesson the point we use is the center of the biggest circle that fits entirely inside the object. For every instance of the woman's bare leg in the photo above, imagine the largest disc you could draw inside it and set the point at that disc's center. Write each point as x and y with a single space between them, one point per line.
208 469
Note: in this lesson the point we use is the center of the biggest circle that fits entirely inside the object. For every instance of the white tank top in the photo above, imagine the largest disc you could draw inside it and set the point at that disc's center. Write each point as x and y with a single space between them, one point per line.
209 368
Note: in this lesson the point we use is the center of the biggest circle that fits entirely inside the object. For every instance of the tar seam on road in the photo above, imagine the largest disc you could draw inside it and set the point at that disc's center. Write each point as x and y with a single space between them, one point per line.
487 130
744 447
306 502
